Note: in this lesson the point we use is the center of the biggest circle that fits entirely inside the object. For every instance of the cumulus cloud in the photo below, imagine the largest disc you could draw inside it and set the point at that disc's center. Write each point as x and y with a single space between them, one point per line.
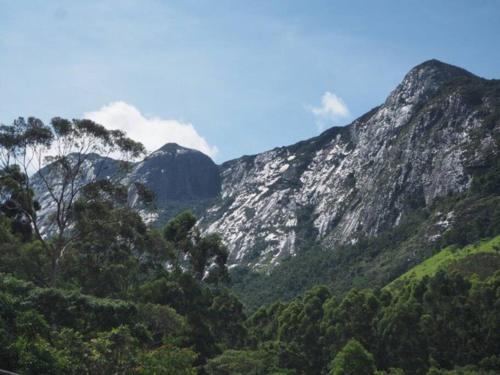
153 132
332 108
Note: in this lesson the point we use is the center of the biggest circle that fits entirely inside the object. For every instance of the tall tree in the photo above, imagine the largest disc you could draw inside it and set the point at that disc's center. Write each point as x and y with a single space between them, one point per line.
353 359
58 156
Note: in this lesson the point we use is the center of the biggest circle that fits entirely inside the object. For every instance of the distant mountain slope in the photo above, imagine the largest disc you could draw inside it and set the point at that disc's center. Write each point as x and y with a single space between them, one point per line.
435 130
176 173
438 129
179 177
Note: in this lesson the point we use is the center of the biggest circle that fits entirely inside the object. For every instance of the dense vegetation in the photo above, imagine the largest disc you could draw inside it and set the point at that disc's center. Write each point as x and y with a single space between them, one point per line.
98 291
374 262
106 294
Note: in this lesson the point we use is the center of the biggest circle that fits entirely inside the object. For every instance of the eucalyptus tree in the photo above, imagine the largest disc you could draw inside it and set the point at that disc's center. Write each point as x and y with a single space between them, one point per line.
58 157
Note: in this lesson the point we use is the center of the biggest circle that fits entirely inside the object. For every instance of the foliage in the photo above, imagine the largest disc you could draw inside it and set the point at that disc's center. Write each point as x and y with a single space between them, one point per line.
206 256
119 305
447 258
168 360
102 293
245 362
377 261
59 155
353 359
445 320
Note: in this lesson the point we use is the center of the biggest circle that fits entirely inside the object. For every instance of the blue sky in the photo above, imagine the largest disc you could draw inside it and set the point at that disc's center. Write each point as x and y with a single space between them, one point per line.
229 77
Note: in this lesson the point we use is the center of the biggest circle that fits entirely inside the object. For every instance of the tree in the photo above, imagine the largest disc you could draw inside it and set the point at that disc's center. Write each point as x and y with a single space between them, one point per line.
263 324
163 323
245 362
58 158
206 256
300 327
37 356
400 339
355 318
168 360
113 352
353 359
16 201
109 239
227 320
449 321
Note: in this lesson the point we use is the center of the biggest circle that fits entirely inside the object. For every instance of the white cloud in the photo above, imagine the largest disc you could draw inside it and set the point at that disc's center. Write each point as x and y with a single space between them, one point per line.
153 132
332 108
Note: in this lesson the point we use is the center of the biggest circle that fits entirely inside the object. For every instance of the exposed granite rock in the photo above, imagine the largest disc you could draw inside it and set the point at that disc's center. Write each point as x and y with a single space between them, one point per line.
176 173
435 129
361 179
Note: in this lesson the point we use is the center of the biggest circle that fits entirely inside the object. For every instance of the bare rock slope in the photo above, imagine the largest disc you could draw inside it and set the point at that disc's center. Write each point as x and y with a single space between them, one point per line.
423 143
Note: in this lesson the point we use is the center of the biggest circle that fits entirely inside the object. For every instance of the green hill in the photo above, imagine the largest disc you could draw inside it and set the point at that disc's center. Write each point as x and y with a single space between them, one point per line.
476 258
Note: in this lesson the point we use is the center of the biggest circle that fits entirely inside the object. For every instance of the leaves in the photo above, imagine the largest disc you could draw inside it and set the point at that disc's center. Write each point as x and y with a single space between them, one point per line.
353 359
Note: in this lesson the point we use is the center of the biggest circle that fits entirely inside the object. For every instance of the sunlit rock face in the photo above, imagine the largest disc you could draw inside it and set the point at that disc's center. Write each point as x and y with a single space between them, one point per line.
438 126
361 179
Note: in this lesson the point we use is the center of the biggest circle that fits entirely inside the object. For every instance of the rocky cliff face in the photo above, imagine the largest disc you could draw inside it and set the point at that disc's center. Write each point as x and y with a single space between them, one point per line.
435 129
180 179
176 173
354 181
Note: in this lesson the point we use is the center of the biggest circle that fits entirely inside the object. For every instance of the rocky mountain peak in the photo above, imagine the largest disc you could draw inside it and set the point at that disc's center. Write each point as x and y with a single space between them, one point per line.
359 180
440 69
173 149
177 173
423 81
346 184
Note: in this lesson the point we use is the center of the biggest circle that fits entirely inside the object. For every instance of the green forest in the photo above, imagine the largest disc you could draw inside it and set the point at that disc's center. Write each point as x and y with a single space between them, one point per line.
105 293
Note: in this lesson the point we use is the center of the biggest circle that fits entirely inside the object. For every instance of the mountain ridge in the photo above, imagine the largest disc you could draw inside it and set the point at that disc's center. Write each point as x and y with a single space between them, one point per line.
454 71
375 137
425 141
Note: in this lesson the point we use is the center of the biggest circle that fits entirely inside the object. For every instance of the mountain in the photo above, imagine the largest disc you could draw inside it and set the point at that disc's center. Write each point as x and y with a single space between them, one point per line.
372 246
176 173
437 127
434 133
180 179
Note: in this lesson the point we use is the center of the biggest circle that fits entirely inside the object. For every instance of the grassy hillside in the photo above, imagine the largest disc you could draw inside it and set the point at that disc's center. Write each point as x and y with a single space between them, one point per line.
452 257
